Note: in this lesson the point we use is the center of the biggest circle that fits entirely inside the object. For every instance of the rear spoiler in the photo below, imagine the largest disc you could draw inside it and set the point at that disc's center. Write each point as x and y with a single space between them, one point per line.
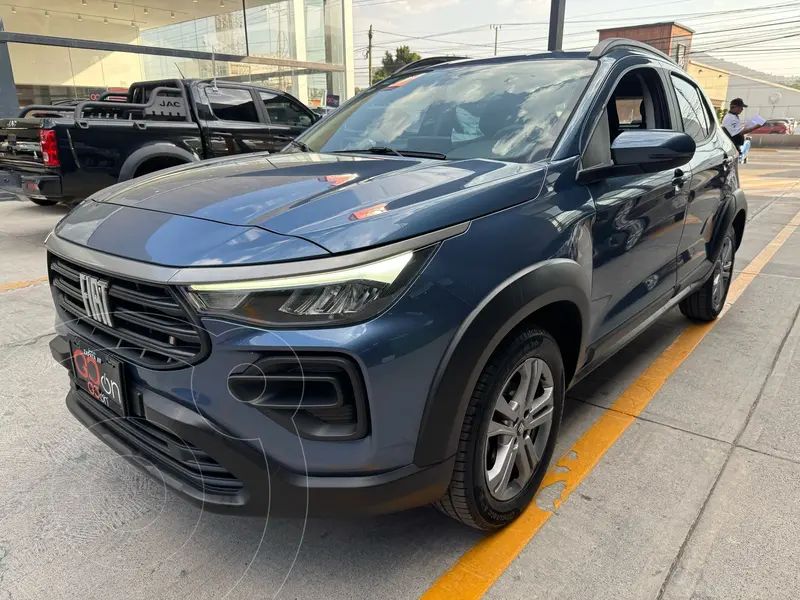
164 102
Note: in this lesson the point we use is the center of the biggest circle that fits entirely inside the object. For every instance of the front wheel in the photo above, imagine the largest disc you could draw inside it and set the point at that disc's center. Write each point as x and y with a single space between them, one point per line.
706 303
43 201
509 432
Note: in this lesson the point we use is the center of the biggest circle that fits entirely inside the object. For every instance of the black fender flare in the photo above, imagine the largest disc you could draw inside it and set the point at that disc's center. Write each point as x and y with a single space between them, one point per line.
148 151
480 334
734 203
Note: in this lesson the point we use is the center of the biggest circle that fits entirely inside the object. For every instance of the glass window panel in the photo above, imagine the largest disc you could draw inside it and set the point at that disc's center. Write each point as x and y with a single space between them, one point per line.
334 36
178 24
55 66
270 28
695 118
520 109
232 104
47 74
283 111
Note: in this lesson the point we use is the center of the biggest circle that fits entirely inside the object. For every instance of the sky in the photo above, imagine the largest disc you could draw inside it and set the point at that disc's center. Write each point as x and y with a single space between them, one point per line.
760 34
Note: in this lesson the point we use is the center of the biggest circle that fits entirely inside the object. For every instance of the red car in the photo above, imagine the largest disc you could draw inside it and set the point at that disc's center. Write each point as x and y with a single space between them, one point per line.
777 126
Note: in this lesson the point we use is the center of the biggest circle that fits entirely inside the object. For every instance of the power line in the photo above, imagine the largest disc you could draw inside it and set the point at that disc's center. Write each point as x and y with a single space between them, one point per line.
716 37
510 43
709 41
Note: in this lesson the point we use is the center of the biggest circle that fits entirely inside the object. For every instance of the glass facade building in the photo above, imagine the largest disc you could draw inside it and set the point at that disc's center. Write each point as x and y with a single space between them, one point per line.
65 49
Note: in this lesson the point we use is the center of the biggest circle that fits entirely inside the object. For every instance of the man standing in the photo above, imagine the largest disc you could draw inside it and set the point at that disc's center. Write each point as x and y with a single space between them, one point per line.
733 126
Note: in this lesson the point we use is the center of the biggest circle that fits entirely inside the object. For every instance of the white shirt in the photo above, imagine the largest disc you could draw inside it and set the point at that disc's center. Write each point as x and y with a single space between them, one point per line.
732 123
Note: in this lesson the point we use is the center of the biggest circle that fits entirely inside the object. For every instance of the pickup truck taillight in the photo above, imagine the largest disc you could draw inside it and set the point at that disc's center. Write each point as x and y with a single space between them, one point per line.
47 140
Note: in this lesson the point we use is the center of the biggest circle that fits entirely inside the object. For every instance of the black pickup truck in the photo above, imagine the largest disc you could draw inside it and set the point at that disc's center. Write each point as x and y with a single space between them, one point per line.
64 153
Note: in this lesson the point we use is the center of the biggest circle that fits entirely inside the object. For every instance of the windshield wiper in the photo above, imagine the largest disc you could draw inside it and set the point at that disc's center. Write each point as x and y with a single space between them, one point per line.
391 151
301 145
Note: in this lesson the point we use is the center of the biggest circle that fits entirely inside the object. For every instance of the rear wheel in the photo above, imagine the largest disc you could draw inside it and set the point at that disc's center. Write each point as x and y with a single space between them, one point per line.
509 432
706 303
43 201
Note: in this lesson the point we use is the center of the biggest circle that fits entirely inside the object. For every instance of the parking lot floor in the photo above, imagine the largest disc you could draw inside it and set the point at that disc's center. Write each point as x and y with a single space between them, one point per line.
678 476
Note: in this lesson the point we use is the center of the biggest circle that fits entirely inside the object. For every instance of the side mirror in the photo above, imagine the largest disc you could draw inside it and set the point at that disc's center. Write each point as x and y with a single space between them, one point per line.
643 151
652 150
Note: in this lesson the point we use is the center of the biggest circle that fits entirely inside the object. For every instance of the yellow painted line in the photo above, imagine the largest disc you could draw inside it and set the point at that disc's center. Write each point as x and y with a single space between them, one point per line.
15 285
768 183
763 149
478 569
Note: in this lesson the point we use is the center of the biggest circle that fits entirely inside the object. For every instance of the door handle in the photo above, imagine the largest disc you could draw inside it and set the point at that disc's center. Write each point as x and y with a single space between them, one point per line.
680 179
727 162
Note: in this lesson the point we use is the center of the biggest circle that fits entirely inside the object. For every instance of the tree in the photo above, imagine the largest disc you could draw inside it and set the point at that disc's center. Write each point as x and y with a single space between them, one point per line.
402 56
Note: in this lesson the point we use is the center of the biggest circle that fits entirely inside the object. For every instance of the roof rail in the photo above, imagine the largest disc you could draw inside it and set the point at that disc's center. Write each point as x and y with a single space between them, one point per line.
427 62
605 46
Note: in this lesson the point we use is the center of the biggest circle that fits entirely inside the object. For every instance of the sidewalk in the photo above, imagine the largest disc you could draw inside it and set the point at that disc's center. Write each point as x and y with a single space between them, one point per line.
699 497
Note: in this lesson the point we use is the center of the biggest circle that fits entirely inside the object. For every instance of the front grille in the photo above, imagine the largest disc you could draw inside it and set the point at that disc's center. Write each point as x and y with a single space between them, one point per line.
152 326
166 450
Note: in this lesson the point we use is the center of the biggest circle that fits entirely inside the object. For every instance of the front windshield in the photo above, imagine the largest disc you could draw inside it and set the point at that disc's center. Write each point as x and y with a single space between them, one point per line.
506 111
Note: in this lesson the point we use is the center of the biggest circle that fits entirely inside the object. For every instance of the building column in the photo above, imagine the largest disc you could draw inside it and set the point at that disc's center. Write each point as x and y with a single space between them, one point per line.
9 102
298 20
349 59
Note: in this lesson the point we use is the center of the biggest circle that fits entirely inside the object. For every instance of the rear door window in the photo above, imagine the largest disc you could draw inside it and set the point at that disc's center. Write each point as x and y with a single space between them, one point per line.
232 104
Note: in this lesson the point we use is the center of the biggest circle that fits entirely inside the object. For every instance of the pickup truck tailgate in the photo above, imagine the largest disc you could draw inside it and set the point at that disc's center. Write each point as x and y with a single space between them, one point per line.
19 144
29 159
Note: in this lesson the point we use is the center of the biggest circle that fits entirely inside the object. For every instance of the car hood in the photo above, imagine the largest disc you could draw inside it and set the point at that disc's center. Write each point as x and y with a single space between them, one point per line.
175 240
338 203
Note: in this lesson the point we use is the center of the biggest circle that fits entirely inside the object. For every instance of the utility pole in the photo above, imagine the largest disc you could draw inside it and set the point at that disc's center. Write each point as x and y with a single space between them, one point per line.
369 54
496 29
556 35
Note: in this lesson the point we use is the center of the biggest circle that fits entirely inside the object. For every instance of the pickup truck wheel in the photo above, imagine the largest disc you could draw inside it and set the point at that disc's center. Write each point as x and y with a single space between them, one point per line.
509 432
706 303
43 201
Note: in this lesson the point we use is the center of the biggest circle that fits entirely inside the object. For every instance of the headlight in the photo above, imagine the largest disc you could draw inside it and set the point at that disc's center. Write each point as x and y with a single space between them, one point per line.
316 299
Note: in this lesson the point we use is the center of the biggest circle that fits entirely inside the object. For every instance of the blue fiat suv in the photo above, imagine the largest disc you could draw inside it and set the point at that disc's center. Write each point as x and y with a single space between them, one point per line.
389 312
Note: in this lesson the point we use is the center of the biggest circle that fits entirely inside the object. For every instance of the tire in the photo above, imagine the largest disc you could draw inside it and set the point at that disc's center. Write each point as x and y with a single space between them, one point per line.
706 303
43 201
470 499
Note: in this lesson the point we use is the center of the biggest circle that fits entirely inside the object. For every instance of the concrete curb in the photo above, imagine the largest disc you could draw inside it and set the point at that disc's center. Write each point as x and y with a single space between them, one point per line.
775 141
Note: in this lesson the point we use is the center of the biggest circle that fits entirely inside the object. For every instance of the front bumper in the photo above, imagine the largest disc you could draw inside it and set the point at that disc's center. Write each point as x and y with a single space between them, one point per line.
223 473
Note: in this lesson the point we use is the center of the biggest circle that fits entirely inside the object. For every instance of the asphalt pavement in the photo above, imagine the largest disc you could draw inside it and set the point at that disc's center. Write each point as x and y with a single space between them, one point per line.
679 474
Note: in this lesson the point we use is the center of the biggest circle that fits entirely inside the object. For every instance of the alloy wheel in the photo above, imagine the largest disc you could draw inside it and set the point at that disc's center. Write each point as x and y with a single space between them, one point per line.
723 271
519 429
